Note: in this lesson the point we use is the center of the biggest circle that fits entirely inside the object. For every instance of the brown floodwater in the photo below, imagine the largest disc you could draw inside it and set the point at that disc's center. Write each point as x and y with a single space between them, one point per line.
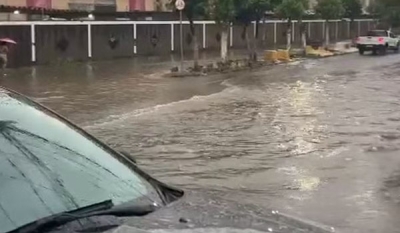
319 138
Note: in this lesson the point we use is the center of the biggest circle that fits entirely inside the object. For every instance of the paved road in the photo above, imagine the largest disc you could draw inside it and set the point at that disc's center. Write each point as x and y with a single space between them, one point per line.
319 139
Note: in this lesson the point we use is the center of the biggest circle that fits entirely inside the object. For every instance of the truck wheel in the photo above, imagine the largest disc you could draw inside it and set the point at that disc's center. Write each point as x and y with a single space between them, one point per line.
397 48
361 51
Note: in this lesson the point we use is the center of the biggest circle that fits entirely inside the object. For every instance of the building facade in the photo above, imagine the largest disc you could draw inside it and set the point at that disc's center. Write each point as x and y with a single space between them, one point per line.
13 2
142 5
91 5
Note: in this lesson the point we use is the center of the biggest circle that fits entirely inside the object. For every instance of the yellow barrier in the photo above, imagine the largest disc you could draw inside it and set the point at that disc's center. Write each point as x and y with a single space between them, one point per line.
320 52
271 56
283 55
311 51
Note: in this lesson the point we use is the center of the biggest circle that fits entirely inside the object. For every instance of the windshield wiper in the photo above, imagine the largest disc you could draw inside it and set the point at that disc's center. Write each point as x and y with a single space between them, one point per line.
101 208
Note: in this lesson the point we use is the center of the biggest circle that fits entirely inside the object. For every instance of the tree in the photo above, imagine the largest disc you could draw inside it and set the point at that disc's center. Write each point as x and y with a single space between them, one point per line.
352 10
223 12
328 10
293 10
247 12
387 11
194 9
244 16
375 9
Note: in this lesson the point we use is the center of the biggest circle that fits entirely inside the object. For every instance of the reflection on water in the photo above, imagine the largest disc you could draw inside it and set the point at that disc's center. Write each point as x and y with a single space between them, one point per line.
318 139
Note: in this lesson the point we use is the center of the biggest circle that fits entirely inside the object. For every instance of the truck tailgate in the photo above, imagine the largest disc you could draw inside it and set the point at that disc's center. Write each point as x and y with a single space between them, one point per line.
370 40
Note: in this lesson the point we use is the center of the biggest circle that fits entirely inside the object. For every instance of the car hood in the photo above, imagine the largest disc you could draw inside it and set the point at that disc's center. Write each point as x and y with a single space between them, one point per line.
128 229
198 213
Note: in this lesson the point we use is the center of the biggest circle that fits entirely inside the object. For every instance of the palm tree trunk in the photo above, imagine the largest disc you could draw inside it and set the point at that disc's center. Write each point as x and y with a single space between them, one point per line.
289 34
195 46
327 39
303 34
264 36
224 42
255 40
246 37
352 31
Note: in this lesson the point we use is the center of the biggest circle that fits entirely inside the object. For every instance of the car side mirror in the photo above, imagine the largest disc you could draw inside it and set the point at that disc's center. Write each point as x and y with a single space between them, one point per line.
128 156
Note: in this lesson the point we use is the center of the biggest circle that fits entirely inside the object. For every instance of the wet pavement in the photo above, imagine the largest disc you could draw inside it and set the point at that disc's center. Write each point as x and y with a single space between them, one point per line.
317 139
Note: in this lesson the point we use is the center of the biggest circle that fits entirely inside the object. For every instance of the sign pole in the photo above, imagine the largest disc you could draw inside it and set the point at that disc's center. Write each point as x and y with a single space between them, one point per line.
181 38
180 5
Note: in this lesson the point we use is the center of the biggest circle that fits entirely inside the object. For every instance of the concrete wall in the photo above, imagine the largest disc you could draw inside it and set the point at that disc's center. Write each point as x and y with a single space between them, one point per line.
316 31
363 28
55 44
213 35
281 34
187 38
239 39
69 41
13 17
112 41
153 39
266 36
343 30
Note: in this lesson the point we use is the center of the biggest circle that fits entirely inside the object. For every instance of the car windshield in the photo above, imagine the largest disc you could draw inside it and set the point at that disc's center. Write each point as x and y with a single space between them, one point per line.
377 33
47 166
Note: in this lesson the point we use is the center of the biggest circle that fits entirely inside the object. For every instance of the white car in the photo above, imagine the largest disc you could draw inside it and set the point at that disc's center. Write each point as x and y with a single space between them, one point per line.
378 41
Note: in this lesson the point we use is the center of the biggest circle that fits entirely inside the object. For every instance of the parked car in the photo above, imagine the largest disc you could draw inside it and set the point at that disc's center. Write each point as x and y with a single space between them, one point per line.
378 41
55 177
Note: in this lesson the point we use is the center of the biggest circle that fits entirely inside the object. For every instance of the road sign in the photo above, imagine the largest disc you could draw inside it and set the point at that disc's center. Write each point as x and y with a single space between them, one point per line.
180 4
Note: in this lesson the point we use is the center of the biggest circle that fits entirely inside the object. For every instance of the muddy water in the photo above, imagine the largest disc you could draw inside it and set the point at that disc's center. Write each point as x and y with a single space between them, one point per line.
319 139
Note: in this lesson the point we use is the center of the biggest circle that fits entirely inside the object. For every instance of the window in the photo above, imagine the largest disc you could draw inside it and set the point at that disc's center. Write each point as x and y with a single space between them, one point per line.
377 33
47 166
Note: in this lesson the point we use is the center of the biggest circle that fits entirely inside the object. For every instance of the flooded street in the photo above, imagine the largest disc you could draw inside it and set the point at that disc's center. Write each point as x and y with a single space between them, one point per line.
319 139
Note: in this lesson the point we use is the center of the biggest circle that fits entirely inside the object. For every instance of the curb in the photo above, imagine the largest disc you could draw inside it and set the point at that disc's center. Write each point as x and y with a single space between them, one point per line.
265 64
334 55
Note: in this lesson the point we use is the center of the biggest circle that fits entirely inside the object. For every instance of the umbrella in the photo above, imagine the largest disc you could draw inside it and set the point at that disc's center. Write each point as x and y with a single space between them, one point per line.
8 40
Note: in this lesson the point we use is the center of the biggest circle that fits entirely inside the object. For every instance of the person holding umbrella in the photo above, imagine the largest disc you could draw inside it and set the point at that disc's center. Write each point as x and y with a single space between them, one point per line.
4 49
3 54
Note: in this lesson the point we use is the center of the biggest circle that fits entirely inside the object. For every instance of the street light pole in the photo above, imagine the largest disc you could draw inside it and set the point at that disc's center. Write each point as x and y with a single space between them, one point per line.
180 5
